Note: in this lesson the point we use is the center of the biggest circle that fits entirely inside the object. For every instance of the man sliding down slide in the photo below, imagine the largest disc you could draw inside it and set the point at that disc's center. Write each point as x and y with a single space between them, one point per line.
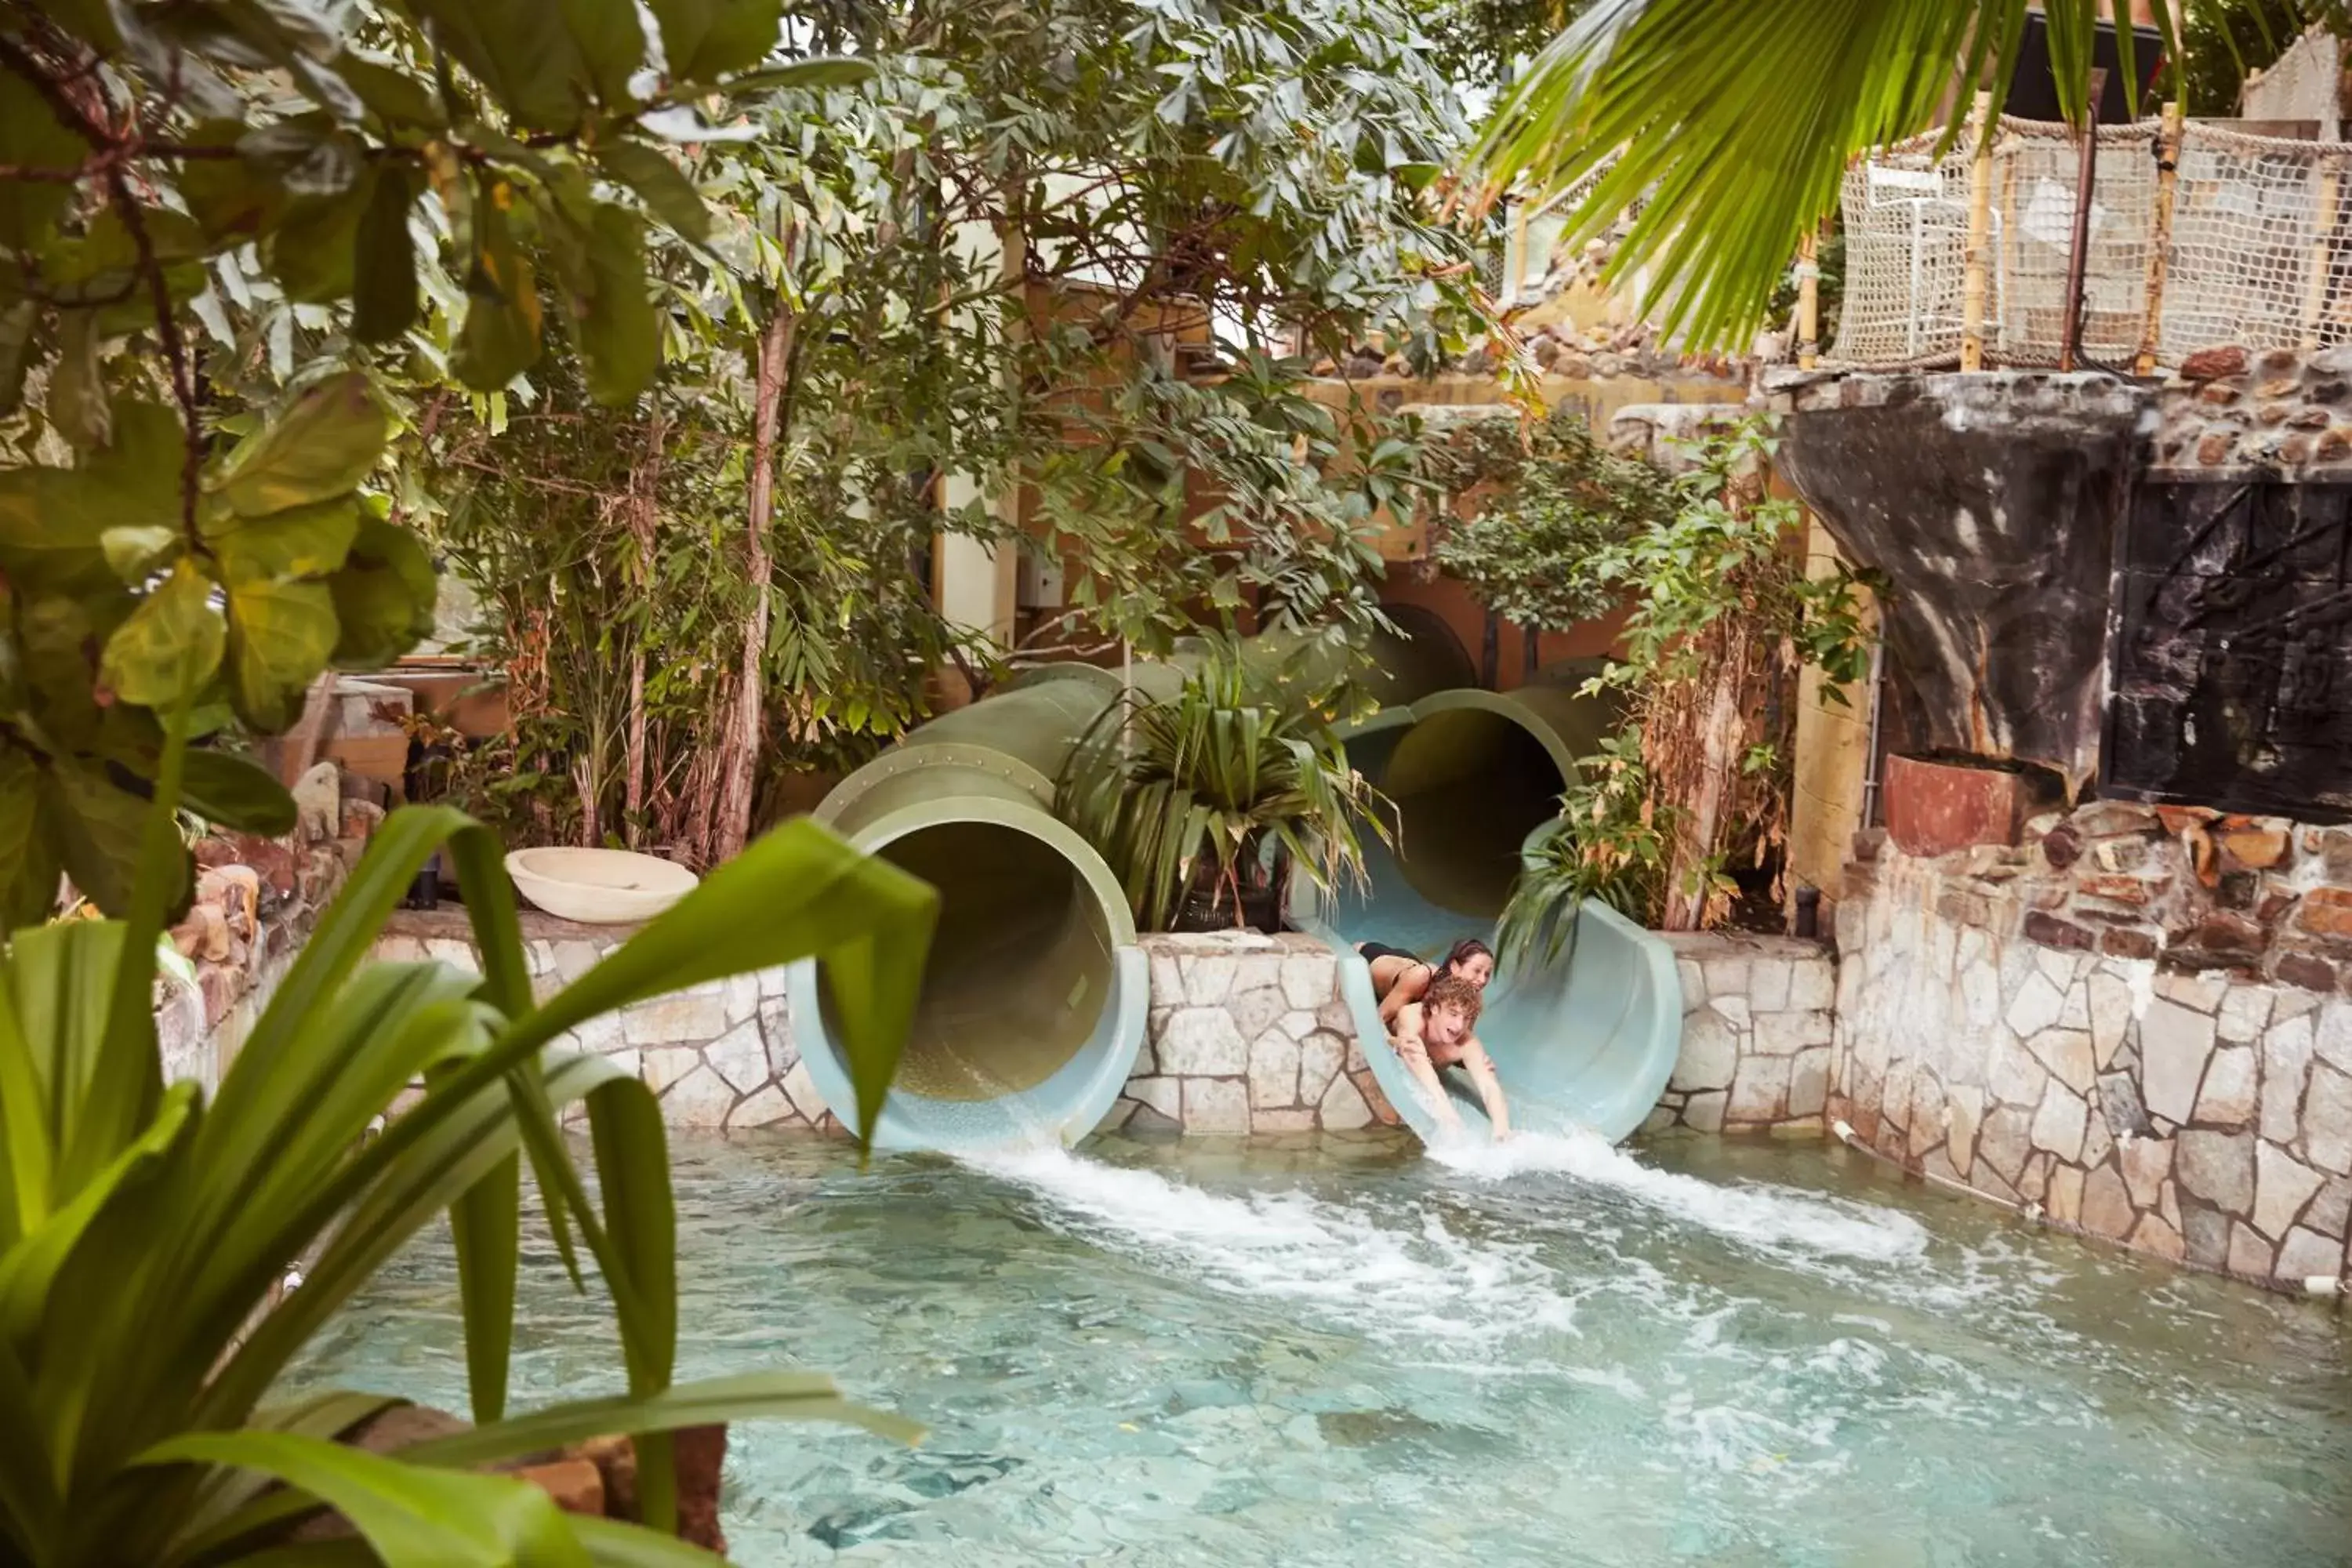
1434 1033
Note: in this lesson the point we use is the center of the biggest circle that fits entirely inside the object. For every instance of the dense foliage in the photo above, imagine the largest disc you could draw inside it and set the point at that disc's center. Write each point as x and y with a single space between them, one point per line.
337 192
1208 801
1051 282
1722 617
1549 505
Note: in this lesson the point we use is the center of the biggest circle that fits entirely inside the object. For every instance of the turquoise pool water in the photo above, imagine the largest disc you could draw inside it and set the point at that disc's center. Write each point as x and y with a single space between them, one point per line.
1343 1353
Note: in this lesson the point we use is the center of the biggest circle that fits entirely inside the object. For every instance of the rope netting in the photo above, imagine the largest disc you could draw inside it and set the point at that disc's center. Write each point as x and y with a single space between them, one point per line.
2257 255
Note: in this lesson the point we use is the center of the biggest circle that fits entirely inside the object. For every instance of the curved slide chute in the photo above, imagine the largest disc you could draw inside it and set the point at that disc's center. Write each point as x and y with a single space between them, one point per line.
1034 1000
1034 1003
1589 1040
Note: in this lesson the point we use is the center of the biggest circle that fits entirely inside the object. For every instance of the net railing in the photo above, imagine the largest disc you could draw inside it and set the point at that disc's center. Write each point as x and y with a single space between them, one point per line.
2258 256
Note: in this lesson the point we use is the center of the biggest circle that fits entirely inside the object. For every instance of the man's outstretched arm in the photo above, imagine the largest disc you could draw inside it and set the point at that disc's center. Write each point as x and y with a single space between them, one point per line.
1481 1069
1416 1053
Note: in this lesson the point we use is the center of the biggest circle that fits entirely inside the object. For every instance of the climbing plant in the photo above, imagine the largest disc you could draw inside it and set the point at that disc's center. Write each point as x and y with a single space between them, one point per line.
1723 615
425 191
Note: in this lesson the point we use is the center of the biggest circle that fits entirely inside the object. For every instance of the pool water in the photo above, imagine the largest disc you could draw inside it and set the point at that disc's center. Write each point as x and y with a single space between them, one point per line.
1340 1351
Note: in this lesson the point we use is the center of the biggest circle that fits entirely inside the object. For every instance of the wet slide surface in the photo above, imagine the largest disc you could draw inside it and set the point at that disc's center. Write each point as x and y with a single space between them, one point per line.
1339 1352
1587 1042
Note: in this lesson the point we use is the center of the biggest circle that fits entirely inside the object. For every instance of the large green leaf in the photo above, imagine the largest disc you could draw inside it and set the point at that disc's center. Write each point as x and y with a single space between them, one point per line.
620 335
171 644
395 95
31 138
235 792
96 826
610 42
815 71
325 443
660 183
29 866
499 338
77 405
702 40
521 50
383 302
740 1396
383 597
279 637
300 542
413 1517
484 1226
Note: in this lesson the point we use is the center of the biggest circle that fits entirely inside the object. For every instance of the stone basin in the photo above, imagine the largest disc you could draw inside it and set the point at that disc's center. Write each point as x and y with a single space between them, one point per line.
598 887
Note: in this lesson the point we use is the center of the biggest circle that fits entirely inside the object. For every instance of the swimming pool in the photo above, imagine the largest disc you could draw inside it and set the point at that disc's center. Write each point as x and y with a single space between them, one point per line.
1337 1351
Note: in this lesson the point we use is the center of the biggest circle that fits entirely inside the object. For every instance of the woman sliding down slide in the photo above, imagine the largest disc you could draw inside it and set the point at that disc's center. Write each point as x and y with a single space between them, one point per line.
1434 1033
1398 978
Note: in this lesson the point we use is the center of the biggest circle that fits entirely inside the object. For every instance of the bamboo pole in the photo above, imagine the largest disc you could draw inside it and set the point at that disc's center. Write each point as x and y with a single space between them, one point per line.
2323 244
1809 299
2005 272
1972 280
2160 239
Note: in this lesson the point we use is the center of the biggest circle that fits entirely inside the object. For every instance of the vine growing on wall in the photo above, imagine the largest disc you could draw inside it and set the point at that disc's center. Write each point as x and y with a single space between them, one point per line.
1695 781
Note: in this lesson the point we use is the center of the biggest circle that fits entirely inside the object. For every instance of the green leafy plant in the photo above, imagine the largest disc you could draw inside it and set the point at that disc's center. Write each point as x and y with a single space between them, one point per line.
142 1227
1730 125
354 196
1228 787
1608 843
1723 615
1546 505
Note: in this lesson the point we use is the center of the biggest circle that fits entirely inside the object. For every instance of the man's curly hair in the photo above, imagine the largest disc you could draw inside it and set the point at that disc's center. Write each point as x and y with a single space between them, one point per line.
1450 990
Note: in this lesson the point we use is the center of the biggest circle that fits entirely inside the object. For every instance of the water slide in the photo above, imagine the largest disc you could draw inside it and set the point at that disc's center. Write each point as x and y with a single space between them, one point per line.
1033 1007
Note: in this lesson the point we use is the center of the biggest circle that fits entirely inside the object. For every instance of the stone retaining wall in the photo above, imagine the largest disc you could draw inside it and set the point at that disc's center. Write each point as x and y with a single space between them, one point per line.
2197 1113
1757 1033
721 1056
1249 1033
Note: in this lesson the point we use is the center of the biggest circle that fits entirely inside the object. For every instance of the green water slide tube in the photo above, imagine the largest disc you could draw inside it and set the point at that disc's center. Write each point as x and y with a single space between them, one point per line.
1034 1000
1588 1041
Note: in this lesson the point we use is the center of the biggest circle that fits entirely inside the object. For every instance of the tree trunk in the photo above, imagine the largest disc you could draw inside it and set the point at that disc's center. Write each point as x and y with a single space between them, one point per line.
644 489
739 745
1531 650
1490 653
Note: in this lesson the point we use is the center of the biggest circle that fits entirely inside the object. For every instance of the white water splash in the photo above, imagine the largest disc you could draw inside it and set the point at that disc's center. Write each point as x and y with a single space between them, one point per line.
1756 1216
1341 1261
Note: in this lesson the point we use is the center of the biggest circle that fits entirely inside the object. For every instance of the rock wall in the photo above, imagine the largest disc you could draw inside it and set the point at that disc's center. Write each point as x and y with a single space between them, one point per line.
1249 1033
2228 409
2065 1040
256 901
1757 1035
719 1056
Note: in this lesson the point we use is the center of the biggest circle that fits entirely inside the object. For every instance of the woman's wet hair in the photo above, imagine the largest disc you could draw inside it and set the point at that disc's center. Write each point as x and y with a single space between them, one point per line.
1450 990
1462 953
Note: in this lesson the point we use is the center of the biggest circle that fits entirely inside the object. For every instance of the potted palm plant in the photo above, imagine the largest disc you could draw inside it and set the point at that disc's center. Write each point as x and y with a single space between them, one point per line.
1207 803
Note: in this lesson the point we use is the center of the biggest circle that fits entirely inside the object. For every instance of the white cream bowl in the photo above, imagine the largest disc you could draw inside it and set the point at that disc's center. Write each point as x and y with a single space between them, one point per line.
599 887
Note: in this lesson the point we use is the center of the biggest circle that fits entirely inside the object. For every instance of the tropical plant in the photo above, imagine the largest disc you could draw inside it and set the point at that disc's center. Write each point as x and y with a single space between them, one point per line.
1609 844
1230 786
1723 615
143 1228
1730 124
374 188
1546 502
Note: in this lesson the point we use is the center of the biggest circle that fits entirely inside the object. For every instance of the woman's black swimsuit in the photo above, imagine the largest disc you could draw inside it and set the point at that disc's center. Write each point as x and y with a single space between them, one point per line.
1374 951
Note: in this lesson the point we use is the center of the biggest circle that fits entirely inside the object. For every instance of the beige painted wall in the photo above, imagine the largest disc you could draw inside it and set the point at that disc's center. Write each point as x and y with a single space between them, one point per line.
1832 759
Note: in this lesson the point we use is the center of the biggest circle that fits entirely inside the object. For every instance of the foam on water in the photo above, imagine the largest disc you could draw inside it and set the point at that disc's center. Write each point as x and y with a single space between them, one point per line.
1381 1278
1758 1216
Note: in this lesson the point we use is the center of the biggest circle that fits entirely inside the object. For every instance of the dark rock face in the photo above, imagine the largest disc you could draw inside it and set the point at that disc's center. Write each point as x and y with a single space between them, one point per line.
2233 647
1991 503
